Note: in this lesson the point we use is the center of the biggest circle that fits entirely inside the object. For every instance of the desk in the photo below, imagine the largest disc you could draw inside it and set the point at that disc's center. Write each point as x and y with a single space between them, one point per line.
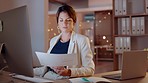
5 78
137 80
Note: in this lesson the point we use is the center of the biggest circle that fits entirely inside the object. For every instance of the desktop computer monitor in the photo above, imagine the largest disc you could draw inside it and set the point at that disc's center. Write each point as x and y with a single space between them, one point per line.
15 34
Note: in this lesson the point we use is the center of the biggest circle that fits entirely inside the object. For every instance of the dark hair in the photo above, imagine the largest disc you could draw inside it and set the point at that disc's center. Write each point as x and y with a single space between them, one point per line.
69 10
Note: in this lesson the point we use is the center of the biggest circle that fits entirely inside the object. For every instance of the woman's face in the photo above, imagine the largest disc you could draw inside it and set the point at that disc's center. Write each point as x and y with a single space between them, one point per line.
65 23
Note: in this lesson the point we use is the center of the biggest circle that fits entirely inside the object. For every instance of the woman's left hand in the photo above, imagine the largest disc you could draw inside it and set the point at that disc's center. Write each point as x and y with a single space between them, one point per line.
61 70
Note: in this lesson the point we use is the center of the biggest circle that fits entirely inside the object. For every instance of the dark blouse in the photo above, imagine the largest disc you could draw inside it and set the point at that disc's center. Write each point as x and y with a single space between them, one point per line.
60 48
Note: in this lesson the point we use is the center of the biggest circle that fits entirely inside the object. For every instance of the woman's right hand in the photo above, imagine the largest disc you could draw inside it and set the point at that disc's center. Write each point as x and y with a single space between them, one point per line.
61 70
57 69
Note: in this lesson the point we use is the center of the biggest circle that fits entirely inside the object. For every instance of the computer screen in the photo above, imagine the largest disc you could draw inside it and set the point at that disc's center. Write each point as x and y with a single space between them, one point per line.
15 34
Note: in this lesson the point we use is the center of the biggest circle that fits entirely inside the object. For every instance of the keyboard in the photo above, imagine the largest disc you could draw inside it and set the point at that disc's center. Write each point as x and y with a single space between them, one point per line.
32 79
113 76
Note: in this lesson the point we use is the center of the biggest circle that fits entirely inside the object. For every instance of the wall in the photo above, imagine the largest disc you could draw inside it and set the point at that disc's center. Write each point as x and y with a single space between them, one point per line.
100 3
6 5
38 20
83 5
74 3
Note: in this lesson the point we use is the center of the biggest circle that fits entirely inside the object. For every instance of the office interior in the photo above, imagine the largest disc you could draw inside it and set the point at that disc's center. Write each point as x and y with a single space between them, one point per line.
94 19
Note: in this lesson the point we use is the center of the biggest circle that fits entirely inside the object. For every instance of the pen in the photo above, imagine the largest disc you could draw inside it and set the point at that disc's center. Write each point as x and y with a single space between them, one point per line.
85 79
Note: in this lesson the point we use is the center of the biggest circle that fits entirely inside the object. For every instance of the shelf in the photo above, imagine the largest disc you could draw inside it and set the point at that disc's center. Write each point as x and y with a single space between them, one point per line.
145 35
105 59
130 27
118 54
130 15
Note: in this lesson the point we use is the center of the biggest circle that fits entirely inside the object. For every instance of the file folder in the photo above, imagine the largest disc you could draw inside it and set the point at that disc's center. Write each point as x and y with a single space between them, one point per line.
117 43
123 26
142 25
124 43
124 6
120 45
119 26
128 30
146 1
120 6
138 25
133 26
116 7
128 43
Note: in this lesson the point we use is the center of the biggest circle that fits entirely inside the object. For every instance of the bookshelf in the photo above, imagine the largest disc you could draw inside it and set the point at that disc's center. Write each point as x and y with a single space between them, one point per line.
130 27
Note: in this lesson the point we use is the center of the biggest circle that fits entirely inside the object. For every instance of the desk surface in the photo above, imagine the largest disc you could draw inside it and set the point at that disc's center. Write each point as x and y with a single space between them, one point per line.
5 78
137 80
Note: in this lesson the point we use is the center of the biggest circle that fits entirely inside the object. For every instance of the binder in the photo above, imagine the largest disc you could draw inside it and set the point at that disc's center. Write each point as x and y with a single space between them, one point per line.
146 1
128 43
133 26
124 6
142 25
128 30
138 25
117 43
124 43
116 7
123 26
119 26
120 6
120 45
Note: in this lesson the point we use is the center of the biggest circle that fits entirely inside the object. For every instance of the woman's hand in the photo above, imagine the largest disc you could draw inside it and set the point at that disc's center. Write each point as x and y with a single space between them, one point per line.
61 70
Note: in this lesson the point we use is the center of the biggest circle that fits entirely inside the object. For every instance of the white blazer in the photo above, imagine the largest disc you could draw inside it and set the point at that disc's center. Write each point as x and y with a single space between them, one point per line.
80 45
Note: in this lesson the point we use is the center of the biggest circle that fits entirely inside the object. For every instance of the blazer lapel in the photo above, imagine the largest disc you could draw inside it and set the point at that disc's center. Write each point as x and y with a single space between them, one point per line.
72 44
53 43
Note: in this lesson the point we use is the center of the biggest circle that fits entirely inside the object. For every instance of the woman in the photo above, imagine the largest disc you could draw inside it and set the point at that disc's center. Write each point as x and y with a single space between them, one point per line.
70 42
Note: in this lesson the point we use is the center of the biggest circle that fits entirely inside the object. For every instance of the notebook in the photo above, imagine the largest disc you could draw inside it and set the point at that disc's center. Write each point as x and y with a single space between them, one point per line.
89 80
134 65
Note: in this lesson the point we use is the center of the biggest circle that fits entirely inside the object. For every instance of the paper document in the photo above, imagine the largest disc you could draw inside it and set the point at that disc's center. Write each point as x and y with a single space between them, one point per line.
90 80
57 59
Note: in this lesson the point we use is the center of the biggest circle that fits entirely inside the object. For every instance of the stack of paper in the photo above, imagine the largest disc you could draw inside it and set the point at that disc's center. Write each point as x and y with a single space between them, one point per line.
57 59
